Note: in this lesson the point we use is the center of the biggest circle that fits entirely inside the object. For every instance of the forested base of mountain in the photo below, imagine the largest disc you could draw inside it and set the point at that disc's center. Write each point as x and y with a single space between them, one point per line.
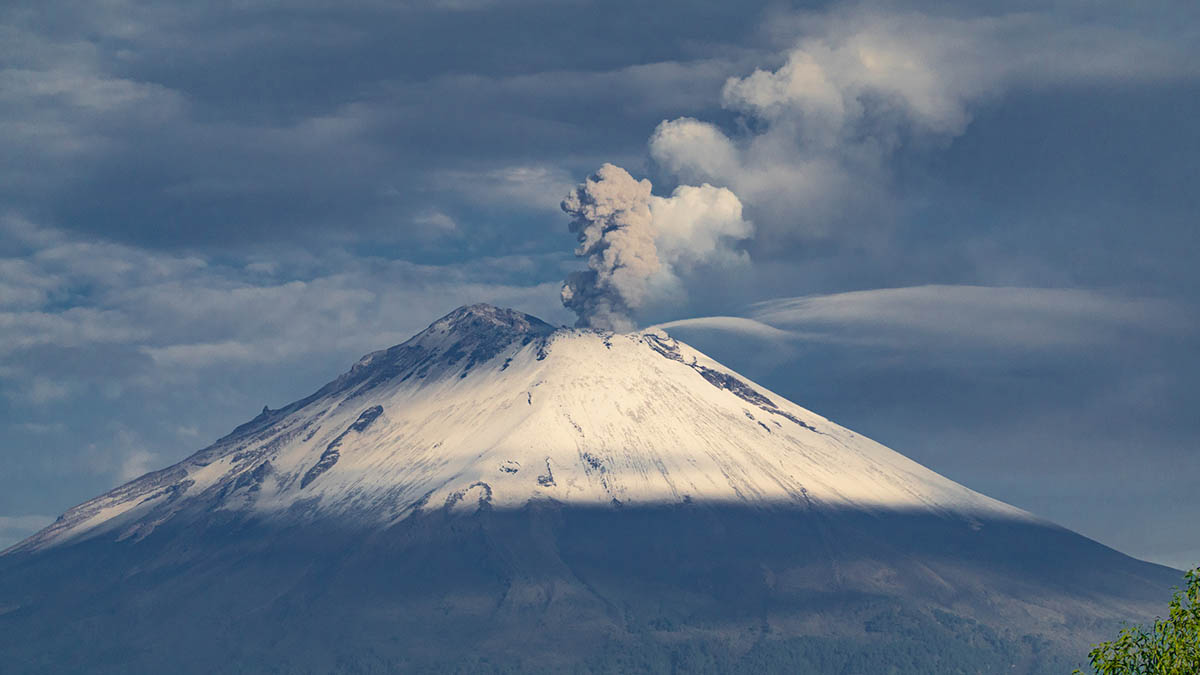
898 643
968 651
891 639
556 589
818 656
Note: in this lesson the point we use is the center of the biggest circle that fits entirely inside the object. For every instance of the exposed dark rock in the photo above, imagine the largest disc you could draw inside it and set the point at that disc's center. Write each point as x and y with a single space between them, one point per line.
546 479
733 385
330 456
252 480
670 349
364 420
593 461
485 498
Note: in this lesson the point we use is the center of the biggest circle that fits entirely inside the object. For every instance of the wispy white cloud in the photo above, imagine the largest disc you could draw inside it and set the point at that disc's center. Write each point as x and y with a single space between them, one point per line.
436 221
974 316
59 106
184 311
730 324
40 428
976 319
137 462
529 186
71 327
45 390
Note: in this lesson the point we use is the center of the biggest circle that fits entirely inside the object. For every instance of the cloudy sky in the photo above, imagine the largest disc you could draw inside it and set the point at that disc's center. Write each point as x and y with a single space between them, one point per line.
970 235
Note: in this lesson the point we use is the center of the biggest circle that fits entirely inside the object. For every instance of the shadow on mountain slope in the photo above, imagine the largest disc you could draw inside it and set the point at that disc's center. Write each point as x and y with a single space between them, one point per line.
691 588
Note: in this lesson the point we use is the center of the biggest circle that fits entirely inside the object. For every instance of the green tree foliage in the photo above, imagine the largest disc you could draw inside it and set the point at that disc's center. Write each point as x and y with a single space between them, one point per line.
1170 647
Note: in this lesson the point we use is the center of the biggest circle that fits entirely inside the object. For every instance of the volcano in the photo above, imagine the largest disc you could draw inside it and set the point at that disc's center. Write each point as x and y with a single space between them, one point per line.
498 495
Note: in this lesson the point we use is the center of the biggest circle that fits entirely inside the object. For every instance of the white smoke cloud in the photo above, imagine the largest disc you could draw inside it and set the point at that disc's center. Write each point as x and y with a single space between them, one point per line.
695 225
825 123
612 220
693 149
637 244
812 159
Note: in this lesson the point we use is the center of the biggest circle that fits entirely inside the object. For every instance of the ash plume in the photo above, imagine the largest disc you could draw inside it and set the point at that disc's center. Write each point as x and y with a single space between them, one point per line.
639 246
612 220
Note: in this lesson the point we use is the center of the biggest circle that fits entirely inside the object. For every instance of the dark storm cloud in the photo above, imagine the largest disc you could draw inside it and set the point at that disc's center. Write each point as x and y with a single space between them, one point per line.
270 119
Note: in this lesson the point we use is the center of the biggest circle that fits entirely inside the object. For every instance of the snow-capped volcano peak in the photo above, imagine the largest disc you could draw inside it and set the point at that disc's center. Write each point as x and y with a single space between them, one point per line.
464 338
492 408
478 330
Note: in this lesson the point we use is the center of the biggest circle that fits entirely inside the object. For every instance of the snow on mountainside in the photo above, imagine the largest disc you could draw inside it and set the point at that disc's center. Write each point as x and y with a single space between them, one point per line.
494 408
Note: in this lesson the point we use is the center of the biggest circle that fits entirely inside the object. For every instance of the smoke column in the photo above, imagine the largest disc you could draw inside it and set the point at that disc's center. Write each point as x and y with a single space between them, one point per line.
641 247
612 220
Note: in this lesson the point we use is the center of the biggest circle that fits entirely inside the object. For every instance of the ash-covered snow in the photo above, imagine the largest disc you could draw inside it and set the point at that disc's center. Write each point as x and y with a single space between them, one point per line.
492 407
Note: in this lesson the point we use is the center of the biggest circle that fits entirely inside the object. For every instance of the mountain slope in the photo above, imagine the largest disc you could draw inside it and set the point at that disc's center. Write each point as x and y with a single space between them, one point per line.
492 405
551 498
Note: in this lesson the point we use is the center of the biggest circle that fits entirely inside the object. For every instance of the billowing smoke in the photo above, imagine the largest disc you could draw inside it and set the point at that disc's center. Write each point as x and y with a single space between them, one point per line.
813 156
637 244
813 153
611 218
